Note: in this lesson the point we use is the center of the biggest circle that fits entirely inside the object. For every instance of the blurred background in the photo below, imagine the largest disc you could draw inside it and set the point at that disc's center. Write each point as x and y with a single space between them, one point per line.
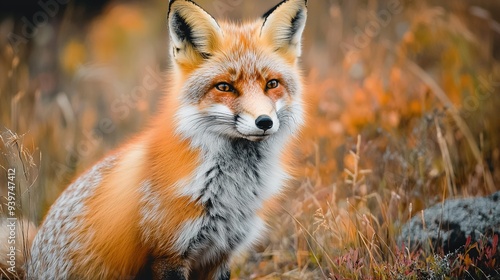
402 97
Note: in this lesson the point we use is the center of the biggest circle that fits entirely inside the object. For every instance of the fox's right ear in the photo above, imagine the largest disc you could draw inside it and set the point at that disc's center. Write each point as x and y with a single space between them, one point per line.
194 34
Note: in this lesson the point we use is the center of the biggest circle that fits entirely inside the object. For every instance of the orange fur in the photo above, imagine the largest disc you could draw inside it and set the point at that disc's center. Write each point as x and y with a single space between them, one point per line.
114 218
165 145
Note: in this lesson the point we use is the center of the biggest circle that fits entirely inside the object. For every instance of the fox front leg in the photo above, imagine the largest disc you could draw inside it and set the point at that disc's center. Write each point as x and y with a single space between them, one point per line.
223 273
163 270
216 272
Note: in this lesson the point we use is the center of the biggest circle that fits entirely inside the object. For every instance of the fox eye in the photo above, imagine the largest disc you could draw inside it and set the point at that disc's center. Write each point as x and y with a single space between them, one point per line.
225 87
272 84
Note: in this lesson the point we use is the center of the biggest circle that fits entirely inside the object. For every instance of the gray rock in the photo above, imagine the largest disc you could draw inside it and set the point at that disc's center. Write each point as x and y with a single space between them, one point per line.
448 225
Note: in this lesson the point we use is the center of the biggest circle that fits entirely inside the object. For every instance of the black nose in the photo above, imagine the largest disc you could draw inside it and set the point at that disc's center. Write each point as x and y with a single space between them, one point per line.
264 122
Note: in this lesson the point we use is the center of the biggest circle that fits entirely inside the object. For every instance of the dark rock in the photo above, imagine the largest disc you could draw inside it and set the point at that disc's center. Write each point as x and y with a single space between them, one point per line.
448 225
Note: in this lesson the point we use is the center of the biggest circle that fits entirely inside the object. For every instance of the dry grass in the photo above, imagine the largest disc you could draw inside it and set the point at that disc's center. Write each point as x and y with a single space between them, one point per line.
15 156
399 119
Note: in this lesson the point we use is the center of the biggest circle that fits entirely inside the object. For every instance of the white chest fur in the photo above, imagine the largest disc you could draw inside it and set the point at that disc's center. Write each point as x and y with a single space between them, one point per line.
231 184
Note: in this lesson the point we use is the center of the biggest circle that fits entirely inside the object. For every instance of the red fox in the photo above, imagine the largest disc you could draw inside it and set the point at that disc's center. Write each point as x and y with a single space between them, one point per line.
184 196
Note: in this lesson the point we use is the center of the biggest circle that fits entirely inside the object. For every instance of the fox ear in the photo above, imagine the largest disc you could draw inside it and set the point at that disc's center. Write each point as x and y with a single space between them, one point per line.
194 34
283 26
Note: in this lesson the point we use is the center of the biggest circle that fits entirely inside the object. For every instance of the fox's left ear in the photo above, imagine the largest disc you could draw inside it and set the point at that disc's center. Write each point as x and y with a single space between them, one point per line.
283 26
194 34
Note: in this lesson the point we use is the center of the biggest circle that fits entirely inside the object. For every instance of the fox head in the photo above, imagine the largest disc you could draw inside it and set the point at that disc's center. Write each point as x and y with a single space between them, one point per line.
238 81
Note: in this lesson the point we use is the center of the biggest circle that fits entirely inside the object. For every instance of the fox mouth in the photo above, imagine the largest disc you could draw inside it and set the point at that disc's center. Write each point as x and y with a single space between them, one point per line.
255 137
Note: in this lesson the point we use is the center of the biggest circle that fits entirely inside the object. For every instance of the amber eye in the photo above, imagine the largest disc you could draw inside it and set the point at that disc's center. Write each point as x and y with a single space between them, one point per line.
272 84
225 87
